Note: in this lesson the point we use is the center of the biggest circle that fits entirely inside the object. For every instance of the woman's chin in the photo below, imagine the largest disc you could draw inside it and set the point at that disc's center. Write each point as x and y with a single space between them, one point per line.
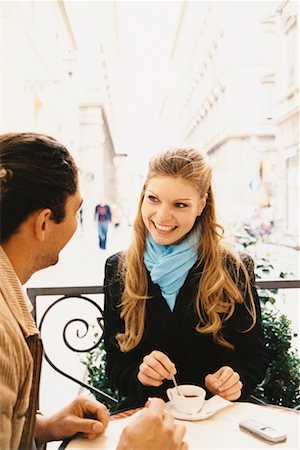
164 239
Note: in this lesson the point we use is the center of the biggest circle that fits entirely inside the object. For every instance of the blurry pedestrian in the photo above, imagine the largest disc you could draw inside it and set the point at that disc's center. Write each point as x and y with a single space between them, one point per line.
81 217
103 217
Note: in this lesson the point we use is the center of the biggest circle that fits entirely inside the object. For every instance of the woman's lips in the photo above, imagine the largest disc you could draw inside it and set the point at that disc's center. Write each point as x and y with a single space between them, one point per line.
163 228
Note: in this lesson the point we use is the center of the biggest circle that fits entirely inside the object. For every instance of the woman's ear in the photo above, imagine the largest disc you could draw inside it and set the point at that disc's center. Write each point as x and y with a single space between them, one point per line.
202 204
42 222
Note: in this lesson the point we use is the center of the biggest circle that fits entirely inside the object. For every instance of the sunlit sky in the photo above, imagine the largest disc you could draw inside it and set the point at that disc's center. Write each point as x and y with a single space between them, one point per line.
138 40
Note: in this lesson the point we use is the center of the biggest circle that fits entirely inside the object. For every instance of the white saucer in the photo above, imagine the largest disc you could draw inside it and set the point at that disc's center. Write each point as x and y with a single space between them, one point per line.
209 408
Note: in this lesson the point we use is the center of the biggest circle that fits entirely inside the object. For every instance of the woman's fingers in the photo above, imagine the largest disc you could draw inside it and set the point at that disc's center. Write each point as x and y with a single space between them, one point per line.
155 368
233 380
211 383
159 362
147 380
225 382
233 393
230 386
149 372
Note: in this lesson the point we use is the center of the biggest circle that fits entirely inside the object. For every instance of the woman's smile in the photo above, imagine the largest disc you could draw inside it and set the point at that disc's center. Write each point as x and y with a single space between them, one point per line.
163 228
170 208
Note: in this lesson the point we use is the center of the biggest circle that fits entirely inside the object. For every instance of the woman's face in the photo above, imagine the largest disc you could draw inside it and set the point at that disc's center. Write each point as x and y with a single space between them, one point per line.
170 208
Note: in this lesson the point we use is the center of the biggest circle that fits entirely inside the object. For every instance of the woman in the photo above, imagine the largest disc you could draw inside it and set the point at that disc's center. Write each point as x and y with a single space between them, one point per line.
178 301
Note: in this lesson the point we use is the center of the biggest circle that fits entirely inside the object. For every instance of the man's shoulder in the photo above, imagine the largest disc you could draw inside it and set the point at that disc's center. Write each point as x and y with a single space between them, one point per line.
6 314
10 330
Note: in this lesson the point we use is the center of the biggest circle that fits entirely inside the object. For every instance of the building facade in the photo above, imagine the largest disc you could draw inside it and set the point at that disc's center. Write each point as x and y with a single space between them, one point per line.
232 100
45 89
287 118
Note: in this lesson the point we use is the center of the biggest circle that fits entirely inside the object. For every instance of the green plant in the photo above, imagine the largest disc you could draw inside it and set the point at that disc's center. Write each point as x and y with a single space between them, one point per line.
96 366
282 385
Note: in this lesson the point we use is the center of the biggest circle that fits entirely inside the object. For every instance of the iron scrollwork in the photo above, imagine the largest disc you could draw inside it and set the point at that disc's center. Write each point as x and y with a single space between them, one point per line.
79 335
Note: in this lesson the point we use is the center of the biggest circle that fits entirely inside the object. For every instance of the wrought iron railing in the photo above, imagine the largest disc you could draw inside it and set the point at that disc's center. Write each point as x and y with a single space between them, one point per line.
82 293
279 283
66 293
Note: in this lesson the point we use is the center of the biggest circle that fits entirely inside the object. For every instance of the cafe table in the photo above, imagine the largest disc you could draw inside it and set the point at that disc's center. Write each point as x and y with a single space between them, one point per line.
220 431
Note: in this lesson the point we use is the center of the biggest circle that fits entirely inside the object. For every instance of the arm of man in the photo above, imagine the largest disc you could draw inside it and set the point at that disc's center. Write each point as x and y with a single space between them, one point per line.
153 429
8 384
83 415
15 382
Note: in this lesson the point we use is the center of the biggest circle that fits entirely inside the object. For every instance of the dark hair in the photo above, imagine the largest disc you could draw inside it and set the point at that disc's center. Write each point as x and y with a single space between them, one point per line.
36 172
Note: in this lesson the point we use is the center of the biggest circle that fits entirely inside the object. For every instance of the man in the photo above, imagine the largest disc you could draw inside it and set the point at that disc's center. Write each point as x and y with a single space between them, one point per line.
103 217
40 199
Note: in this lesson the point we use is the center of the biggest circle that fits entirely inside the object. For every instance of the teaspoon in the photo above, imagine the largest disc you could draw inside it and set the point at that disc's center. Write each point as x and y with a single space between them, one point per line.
176 385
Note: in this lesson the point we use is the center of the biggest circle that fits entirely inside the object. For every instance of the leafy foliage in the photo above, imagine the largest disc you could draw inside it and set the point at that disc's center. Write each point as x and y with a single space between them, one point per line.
96 365
282 385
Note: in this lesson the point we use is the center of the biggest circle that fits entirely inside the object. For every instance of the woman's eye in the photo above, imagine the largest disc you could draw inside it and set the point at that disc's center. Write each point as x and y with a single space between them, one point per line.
180 205
152 198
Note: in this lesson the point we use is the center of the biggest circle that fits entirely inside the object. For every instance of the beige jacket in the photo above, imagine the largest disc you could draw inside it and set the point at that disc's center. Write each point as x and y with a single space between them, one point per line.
19 373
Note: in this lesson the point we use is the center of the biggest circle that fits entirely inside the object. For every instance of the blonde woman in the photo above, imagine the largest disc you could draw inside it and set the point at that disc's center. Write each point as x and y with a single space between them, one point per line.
179 301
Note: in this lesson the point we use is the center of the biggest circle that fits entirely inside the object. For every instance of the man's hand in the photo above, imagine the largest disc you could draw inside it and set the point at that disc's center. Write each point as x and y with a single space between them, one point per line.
225 382
155 368
83 415
153 429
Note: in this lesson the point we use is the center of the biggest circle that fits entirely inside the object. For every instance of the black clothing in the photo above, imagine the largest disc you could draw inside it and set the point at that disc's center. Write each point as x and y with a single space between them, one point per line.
173 332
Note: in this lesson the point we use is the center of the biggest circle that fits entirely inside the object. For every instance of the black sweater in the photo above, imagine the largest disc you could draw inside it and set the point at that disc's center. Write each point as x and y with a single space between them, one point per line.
173 333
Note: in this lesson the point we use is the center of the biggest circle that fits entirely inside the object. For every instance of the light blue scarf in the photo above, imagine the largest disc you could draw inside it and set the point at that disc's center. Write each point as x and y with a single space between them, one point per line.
169 265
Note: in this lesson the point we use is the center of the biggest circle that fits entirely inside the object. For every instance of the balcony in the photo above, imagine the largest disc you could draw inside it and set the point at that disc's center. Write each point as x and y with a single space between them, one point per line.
77 313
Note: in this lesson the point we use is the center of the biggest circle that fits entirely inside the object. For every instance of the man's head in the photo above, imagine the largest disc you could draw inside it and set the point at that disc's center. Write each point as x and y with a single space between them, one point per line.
36 172
39 187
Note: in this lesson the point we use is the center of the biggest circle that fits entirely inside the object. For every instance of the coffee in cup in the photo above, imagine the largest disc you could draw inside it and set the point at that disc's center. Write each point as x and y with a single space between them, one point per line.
191 399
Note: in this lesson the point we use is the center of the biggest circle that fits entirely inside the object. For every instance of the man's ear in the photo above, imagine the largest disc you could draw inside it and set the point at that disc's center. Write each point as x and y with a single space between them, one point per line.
42 222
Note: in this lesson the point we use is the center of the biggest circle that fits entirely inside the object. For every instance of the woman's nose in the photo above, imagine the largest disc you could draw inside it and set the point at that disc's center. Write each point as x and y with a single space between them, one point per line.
163 213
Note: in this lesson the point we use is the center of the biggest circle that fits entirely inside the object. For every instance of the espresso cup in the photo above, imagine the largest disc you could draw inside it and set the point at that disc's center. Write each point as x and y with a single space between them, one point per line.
191 400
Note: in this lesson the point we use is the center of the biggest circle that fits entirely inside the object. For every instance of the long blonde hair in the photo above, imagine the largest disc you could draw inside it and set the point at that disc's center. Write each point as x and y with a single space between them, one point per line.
220 287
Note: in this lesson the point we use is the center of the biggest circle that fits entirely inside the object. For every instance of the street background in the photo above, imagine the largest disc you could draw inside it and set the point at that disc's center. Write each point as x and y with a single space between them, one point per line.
116 82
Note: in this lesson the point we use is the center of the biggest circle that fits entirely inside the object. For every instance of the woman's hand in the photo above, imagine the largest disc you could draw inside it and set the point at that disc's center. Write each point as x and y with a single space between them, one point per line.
155 368
225 382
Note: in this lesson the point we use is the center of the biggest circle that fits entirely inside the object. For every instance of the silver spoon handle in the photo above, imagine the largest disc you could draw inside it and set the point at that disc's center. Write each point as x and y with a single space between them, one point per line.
176 385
